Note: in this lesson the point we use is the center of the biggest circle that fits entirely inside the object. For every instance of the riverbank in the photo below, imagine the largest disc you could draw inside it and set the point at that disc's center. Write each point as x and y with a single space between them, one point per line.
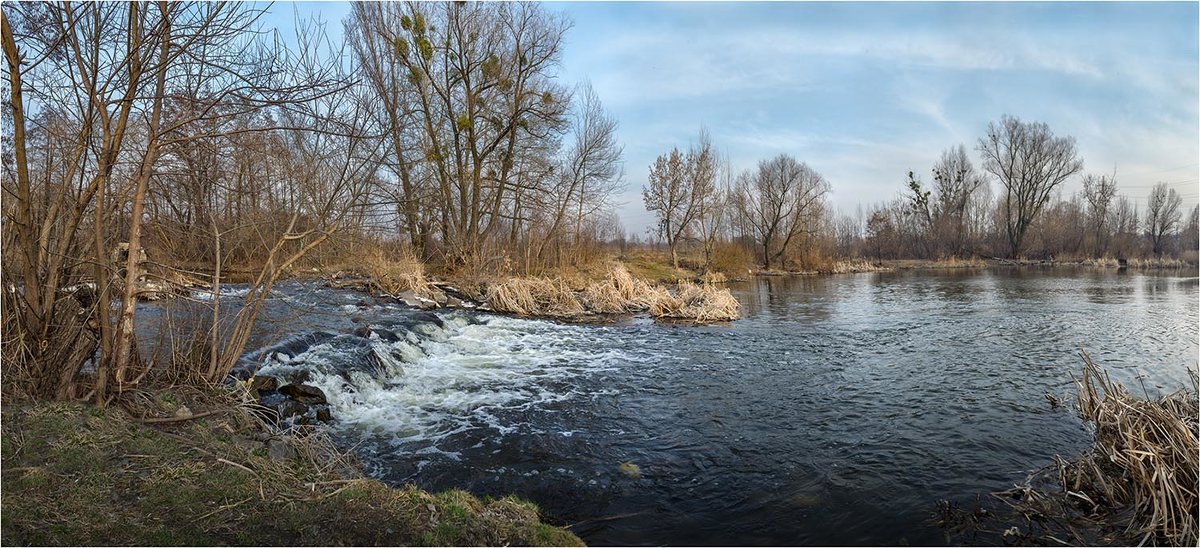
79 475
1136 485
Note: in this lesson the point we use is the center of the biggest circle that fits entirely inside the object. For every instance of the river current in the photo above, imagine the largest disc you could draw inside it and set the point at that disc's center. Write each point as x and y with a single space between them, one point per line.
839 410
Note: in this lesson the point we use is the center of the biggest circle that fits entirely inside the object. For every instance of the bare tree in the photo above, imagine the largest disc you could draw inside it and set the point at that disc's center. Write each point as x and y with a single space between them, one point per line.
1030 163
1191 232
1162 215
955 182
590 172
1099 192
780 201
712 212
677 186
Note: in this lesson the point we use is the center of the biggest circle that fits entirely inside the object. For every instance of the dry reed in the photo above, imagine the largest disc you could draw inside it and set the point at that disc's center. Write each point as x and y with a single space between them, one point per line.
534 297
618 293
697 302
397 274
1145 457
850 267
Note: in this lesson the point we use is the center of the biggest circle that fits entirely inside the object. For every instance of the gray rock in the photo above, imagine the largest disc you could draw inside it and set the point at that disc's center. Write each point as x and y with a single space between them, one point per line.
287 409
264 383
304 393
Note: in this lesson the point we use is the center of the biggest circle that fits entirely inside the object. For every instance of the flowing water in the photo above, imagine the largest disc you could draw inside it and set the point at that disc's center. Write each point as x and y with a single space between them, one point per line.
838 411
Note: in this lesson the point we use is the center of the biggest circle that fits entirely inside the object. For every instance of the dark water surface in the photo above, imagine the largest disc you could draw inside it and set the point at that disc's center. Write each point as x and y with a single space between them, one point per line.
838 411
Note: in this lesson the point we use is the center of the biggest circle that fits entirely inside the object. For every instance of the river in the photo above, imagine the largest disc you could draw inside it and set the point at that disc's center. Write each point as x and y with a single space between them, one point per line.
839 410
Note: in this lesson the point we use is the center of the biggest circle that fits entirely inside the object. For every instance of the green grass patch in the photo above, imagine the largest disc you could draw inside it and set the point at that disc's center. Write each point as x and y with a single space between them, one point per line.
75 475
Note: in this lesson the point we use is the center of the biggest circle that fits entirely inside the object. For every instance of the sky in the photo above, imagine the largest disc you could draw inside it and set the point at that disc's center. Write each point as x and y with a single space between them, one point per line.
866 92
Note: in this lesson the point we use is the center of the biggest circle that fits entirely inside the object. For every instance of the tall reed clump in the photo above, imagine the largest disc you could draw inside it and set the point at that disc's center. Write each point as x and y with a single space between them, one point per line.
1145 458
396 274
697 302
534 297
618 293
853 267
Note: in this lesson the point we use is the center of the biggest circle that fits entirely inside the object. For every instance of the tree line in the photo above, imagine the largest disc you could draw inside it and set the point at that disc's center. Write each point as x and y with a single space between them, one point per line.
1011 206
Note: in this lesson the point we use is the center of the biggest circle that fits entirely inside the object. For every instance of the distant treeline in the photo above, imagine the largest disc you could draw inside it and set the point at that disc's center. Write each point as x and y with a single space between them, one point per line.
1010 206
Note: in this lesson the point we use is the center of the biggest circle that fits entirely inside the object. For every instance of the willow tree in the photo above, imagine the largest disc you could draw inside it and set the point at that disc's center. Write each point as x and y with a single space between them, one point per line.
1030 163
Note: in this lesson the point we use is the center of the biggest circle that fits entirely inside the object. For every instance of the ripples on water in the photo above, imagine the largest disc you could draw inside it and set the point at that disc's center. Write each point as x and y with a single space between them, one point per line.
837 412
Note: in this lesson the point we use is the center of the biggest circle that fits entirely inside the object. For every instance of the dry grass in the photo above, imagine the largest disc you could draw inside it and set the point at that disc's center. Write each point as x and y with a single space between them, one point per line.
1136 485
1161 262
1145 458
618 293
395 274
696 302
850 267
534 297
1101 262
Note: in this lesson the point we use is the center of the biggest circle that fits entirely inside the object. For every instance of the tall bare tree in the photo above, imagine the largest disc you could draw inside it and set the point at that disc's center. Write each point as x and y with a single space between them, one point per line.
780 200
1162 216
677 186
1099 192
1030 163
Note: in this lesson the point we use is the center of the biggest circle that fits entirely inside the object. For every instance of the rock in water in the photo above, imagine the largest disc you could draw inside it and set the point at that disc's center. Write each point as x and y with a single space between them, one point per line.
304 393
264 383
287 409
630 470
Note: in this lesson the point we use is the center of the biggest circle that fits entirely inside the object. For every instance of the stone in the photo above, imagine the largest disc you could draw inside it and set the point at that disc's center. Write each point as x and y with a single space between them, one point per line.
264 383
300 376
324 414
280 451
304 393
416 301
287 409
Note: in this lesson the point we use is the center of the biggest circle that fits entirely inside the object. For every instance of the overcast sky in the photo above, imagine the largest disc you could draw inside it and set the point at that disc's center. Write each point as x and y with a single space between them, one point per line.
865 92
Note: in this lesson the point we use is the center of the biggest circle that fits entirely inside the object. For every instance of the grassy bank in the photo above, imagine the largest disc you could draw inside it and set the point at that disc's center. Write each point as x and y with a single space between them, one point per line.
77 475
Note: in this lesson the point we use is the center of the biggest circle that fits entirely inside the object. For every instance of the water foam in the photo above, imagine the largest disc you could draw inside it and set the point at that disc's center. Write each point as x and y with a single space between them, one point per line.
431 379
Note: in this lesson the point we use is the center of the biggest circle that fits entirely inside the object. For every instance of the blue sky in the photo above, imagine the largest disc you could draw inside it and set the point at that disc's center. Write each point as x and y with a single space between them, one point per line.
865 92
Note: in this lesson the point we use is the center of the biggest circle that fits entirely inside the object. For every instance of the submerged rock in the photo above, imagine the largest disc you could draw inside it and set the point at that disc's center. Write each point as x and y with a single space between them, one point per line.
630 470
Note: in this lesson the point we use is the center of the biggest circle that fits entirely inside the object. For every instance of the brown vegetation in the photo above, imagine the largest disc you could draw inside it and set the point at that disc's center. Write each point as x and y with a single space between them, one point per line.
1136 485
617 293
1146 457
